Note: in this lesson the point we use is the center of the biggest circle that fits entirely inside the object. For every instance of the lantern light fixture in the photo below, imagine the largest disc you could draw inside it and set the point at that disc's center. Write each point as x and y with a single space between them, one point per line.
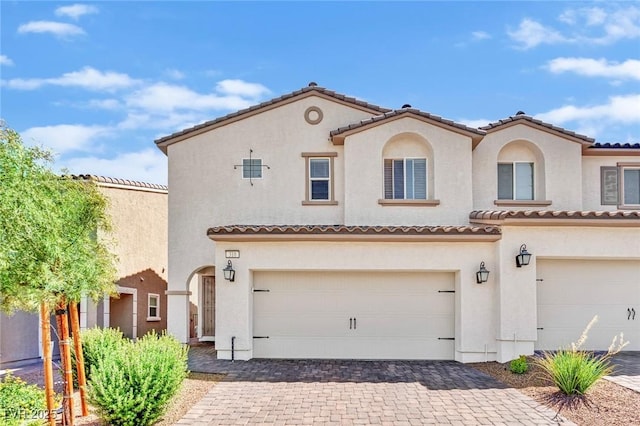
229 272
524 257
482 276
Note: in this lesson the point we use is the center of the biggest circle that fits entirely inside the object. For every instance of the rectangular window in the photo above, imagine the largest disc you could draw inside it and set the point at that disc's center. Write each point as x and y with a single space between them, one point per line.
631 185
405 179
252 168
620 185
319 178
515 181
319 175
153 310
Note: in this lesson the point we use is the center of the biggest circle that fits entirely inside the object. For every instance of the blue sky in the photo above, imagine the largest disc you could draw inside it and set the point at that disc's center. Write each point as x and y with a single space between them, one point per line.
99 81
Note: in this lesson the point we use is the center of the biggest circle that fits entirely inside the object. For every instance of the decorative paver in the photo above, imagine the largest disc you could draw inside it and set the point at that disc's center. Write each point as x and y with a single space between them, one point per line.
345 392
627 372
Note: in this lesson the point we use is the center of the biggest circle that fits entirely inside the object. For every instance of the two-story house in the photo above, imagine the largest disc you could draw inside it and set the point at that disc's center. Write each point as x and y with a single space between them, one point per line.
315 225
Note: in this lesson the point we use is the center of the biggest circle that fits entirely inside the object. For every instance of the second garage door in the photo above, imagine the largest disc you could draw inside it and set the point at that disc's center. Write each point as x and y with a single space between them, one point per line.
571 292
354 315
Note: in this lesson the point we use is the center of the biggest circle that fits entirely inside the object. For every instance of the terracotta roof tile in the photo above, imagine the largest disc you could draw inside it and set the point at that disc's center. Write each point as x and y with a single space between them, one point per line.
318 89
353 230
524 117
398 112
553 214
116 181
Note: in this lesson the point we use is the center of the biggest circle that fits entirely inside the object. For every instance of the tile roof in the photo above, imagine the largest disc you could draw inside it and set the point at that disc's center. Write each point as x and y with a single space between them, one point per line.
523 117
311 88
618 145
124 182
553 214
398 112
351 230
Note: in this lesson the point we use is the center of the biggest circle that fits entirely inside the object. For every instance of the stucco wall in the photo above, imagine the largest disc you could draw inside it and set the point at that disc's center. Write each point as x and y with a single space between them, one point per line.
449 171
474 303
559 180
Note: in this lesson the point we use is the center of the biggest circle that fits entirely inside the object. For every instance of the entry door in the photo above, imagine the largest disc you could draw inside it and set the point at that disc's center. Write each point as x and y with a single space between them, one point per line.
208 305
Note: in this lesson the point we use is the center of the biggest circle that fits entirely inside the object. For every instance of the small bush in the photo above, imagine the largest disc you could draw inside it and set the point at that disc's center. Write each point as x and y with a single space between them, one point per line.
519 365
21 403
132 385
96 344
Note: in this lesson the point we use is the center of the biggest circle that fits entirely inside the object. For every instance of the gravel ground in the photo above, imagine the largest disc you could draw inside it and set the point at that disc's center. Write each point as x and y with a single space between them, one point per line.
612 404
192 390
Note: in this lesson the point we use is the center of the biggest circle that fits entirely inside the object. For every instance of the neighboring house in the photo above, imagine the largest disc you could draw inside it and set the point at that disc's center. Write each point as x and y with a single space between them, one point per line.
139 239
355 231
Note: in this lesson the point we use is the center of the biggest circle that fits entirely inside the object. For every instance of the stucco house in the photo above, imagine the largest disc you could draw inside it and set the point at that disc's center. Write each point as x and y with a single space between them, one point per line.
139 240
315 225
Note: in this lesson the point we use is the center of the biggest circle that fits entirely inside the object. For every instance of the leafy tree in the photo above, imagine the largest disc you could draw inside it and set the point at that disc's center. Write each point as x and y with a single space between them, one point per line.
49 250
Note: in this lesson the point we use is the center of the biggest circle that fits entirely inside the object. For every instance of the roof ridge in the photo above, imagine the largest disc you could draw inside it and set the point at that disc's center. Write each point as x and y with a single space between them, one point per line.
310 88
397 112
118 181
525 117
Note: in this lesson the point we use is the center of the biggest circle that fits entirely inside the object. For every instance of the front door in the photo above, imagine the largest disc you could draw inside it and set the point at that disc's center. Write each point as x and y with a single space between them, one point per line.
208 305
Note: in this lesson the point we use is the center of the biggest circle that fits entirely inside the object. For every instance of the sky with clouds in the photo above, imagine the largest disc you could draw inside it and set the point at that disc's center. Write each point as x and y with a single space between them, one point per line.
99 82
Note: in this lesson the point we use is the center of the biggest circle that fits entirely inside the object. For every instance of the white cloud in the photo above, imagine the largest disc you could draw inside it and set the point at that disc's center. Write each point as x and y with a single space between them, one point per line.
148 165
588 26
108 104
87 78
629 69
480 35
163 97
64 138
241 88
5 60
531 33
475 123
75 11
58 29
592 119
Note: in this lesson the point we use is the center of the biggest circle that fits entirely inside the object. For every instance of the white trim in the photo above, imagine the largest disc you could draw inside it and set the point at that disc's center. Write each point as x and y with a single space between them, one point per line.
157 316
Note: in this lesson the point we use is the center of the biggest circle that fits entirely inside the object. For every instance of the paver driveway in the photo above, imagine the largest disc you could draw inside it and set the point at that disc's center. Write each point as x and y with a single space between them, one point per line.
358 392
627 372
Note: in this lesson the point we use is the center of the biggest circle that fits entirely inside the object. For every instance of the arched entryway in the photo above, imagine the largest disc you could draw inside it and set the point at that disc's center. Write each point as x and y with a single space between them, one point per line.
202 305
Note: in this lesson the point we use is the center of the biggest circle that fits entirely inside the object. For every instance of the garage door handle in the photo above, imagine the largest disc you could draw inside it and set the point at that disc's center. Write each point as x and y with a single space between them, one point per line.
355 324
540 328
350 323
634 314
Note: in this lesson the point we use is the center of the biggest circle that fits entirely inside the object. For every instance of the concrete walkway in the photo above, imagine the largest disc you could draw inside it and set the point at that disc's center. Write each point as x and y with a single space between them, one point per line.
343 392
627 372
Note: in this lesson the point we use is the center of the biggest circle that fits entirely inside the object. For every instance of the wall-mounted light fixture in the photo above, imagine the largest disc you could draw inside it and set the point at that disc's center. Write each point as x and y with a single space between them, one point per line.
482 275
524 257
229 272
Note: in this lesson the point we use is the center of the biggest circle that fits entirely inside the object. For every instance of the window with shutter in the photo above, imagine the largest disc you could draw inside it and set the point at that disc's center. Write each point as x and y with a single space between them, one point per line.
405 179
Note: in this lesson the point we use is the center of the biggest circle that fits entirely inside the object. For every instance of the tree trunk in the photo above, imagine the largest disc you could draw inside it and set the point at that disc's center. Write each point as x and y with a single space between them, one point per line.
77 344
65 356
45 326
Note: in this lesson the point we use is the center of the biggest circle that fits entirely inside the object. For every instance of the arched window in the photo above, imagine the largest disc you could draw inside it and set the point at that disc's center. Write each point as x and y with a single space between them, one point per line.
407 168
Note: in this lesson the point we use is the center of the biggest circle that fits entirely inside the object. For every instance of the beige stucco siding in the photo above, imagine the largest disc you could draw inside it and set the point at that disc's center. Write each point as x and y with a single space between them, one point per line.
557 179
206 190
449 169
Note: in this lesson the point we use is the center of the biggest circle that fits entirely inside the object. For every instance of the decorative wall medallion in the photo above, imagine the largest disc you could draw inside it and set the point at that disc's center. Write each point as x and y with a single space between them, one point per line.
313 115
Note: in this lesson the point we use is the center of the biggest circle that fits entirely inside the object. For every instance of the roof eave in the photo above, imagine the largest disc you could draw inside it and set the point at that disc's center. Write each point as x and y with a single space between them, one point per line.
586 141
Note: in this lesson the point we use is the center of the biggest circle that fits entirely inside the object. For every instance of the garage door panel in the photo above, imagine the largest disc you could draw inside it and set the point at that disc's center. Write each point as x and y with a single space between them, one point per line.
395 315
574 291
398 348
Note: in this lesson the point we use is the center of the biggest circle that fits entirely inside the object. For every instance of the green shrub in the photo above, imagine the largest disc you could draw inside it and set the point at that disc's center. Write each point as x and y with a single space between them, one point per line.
96 344
573 370
21 403
519 365
132 385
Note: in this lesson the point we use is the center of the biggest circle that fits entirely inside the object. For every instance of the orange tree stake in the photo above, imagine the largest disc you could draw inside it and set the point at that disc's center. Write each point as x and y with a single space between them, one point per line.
77 344
45 326
65 355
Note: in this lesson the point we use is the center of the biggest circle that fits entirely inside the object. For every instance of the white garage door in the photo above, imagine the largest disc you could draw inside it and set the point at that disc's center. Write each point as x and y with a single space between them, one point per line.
353 315
573 291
